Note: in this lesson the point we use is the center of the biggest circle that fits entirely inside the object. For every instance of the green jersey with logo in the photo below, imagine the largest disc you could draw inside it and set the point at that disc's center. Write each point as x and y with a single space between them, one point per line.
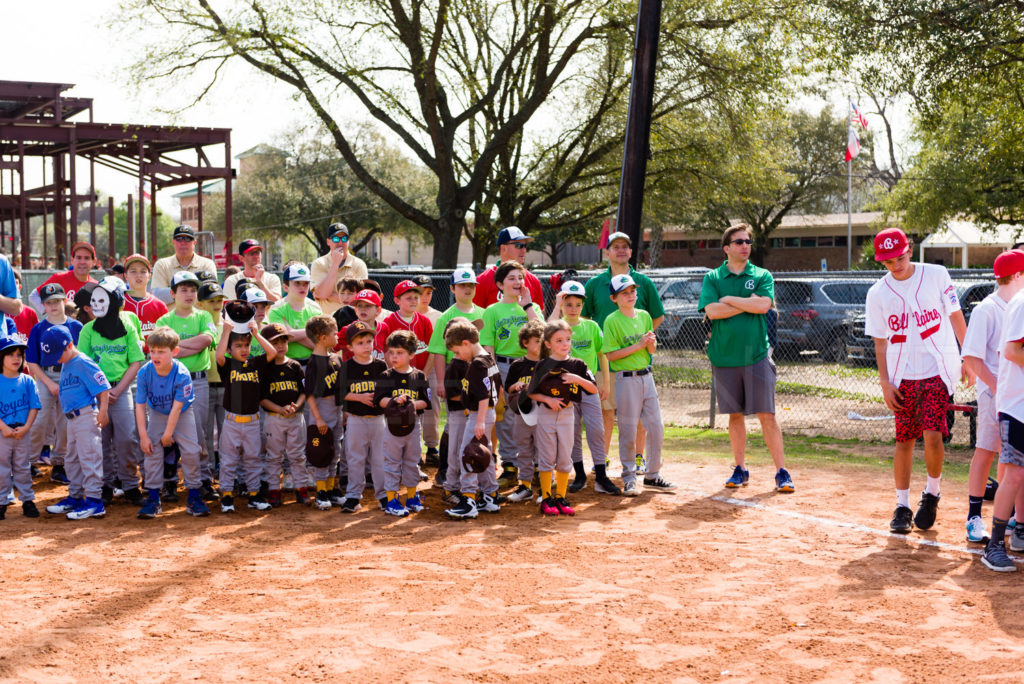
621 331
502 322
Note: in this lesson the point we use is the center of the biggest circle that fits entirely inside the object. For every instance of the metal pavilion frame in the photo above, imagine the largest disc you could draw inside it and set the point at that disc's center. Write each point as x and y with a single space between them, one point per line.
35 125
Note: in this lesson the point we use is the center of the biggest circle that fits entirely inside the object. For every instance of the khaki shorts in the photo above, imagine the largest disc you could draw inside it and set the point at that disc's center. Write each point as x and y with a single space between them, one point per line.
988 423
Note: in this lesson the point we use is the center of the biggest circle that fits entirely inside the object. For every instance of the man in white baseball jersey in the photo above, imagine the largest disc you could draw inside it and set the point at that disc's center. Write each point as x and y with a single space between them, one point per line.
914 314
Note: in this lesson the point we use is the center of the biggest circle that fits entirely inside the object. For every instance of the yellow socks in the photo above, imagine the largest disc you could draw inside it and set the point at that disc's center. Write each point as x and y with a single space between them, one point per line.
526 483
332 482
561 484
321 485
410 492
545 483
392 496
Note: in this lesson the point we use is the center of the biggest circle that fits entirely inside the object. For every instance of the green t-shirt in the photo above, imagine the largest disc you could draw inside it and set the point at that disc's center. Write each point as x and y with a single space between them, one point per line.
502 322
741 340
213 375
587 343
436 344
294 320
622 331
199 322
113 356
598 303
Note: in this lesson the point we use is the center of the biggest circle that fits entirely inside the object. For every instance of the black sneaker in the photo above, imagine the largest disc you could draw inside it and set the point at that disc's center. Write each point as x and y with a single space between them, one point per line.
3 512
996 558
466 508
509 476
134 496
107 495
432 457
926 510
578 482
29 510
336 497
36 472
259 502
170 492
660 484
602 485
902 520
350 506
207 492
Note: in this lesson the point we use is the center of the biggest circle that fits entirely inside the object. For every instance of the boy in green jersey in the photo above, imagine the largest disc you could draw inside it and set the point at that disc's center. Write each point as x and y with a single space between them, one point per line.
294 310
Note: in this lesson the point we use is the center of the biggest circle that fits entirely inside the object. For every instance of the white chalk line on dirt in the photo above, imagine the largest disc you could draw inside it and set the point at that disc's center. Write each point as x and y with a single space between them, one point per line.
946 546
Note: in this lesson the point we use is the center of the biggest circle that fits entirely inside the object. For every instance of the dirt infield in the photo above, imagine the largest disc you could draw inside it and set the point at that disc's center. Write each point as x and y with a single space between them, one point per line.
665 587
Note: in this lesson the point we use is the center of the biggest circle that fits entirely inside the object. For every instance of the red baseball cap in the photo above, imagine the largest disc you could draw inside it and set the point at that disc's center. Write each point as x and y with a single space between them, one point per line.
406 286
132 258
368 296
891 243
1008 263
82 245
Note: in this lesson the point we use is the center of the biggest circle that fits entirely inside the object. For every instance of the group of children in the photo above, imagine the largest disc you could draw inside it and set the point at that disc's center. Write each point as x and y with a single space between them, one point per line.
313 403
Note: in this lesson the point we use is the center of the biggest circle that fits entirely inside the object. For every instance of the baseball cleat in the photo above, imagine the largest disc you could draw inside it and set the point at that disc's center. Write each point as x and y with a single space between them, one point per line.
90 508
602 485
564 507
322 501
521 493
64 506
549 507
394 507
227 504
415 504
350 506
489 503
465 509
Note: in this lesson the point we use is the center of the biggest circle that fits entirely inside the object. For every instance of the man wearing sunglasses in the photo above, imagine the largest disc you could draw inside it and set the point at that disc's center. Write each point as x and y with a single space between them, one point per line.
512 246
183 259
332 267
252 268
737 296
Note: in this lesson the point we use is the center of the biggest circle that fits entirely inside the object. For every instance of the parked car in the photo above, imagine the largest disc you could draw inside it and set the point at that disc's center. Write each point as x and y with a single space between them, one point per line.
684 327
816 314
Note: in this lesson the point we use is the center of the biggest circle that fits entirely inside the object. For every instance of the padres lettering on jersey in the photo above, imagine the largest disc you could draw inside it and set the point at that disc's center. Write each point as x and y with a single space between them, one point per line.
362 386
238 376
283 386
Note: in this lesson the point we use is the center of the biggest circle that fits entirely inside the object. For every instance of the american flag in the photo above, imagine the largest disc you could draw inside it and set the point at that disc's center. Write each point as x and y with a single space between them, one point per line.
856 117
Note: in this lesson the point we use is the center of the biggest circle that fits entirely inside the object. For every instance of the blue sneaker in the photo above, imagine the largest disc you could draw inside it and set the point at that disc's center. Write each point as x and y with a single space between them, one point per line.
152 507
976 532
196 506
740 478
415 504
996 558
395 508
783 482
90 508
65 505
44 455
58 475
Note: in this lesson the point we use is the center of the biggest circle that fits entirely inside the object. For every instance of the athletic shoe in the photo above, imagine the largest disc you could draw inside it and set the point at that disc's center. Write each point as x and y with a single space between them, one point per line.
976 532
641 464
274 498
196 506
322 501
259 502
924 518
783 482
10 498
522 493
106 495
302 496
336 497
902 520
451 498
488 503
35 471
90 508
603 485
152 507
65 505
990 489
288 484
509 476
394 507
1017 539
118 492
1011 523
382 503
134 496
29 510
170 493
578 482
350 506
631 489
423 474
207 491
58 475
549 507
432 458
44 455
564 508
227 504
466 508
995 557
3 511
660 484
740 478
440 476
415 504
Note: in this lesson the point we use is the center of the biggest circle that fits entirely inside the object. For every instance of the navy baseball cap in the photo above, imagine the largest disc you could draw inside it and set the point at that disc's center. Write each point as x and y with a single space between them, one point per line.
53 343
512 234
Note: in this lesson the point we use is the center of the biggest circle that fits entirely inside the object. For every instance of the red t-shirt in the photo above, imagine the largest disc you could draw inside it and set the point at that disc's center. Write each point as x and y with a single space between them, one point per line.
25 320
487 292
149 310
421 327
69 281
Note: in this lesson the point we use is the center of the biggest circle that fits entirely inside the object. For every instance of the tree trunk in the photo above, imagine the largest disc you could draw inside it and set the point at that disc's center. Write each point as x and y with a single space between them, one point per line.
759 250
447 236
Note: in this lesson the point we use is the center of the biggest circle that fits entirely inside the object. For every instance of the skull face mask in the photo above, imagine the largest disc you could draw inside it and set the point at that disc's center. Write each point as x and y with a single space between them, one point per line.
106 303
100 302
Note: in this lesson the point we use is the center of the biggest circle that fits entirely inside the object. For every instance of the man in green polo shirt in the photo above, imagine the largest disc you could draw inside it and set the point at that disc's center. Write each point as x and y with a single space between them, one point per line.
597 305
736 296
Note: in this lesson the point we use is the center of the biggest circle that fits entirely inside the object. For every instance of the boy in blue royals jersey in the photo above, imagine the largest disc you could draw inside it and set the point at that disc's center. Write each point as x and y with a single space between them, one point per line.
82 387
19 404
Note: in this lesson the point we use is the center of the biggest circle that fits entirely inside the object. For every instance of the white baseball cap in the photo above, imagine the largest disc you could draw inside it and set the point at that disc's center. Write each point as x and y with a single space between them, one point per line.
463 275
572 287
254 295
619 283
297 273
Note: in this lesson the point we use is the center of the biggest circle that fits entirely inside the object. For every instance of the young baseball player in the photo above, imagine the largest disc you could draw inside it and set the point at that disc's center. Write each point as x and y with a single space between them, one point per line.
587 344
257 299
211 299
499 336
981 356
480 390
531 339
137 300
240 441
913 313
196 333
19 406
455 426
83 398
283 397
50 421
629 343
164 386
1010 405
432 418
402 383
364 419
366 304
323 381
294 310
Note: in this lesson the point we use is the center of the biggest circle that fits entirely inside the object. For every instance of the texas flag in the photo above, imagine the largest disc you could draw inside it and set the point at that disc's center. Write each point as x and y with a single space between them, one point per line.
852 145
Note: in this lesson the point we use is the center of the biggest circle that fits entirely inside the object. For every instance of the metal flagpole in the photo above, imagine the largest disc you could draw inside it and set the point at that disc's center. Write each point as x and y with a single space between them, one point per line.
849 186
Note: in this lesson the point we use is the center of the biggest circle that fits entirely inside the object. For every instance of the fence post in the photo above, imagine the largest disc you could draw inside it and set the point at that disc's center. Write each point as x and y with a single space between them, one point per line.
711 409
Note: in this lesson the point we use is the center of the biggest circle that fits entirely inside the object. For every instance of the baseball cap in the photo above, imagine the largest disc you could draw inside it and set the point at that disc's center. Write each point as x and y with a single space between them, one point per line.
184 277
1008 263
463 275
116 269
272 331
206 276
12 341
617 235
297 273
405 286
368 296
619 283
354 330
53 343
574 288
246 246
184 231
336 229
319 448
113 284
476 455
239 314
424 281
82 245
210 291
254 295
512 234
342 316
52 291
400 418
890 243
132 258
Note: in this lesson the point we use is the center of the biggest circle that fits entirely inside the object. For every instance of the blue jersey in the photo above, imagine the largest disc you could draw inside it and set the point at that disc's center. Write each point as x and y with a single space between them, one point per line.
32 351
161 391
18 396
81 381
8 288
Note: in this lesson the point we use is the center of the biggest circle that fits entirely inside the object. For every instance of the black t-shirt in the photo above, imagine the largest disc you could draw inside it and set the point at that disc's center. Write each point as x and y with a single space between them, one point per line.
242 391
323 376
453 375
360 379
521 369
282 382
392 384
553 386
482 381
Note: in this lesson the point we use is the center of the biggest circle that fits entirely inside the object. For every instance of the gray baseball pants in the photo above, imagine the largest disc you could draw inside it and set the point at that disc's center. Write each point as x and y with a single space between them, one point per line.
240 451
526 443
364 447
201 411
286 440
401 457
121 443
15 467
588 411
636 401
553 438
471 483
329 412
506 434
214 424
50 421
188 444
84 462
456 426
430 420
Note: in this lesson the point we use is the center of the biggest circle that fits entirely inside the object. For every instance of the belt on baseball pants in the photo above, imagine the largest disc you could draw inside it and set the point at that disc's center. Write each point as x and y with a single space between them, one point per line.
199 375
51 369
14 425
79 411
235 418
281 415
504 359
639 373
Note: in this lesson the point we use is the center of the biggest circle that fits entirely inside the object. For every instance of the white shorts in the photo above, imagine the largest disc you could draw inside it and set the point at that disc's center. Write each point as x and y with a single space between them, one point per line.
987 436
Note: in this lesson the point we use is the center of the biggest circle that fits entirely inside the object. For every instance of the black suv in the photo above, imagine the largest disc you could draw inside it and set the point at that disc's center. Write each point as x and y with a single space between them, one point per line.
816 314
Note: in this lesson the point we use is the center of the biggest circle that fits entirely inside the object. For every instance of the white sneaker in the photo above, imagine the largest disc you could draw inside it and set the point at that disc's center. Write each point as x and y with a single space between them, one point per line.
487 504
976 532
522 493
288 484
631 489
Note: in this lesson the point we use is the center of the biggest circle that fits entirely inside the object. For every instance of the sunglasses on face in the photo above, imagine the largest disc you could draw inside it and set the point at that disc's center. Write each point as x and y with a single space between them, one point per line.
183 238
339 238
518 245
743 241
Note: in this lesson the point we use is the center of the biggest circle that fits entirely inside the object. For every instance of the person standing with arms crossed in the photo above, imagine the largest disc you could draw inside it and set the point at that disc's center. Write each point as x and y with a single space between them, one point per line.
736 296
